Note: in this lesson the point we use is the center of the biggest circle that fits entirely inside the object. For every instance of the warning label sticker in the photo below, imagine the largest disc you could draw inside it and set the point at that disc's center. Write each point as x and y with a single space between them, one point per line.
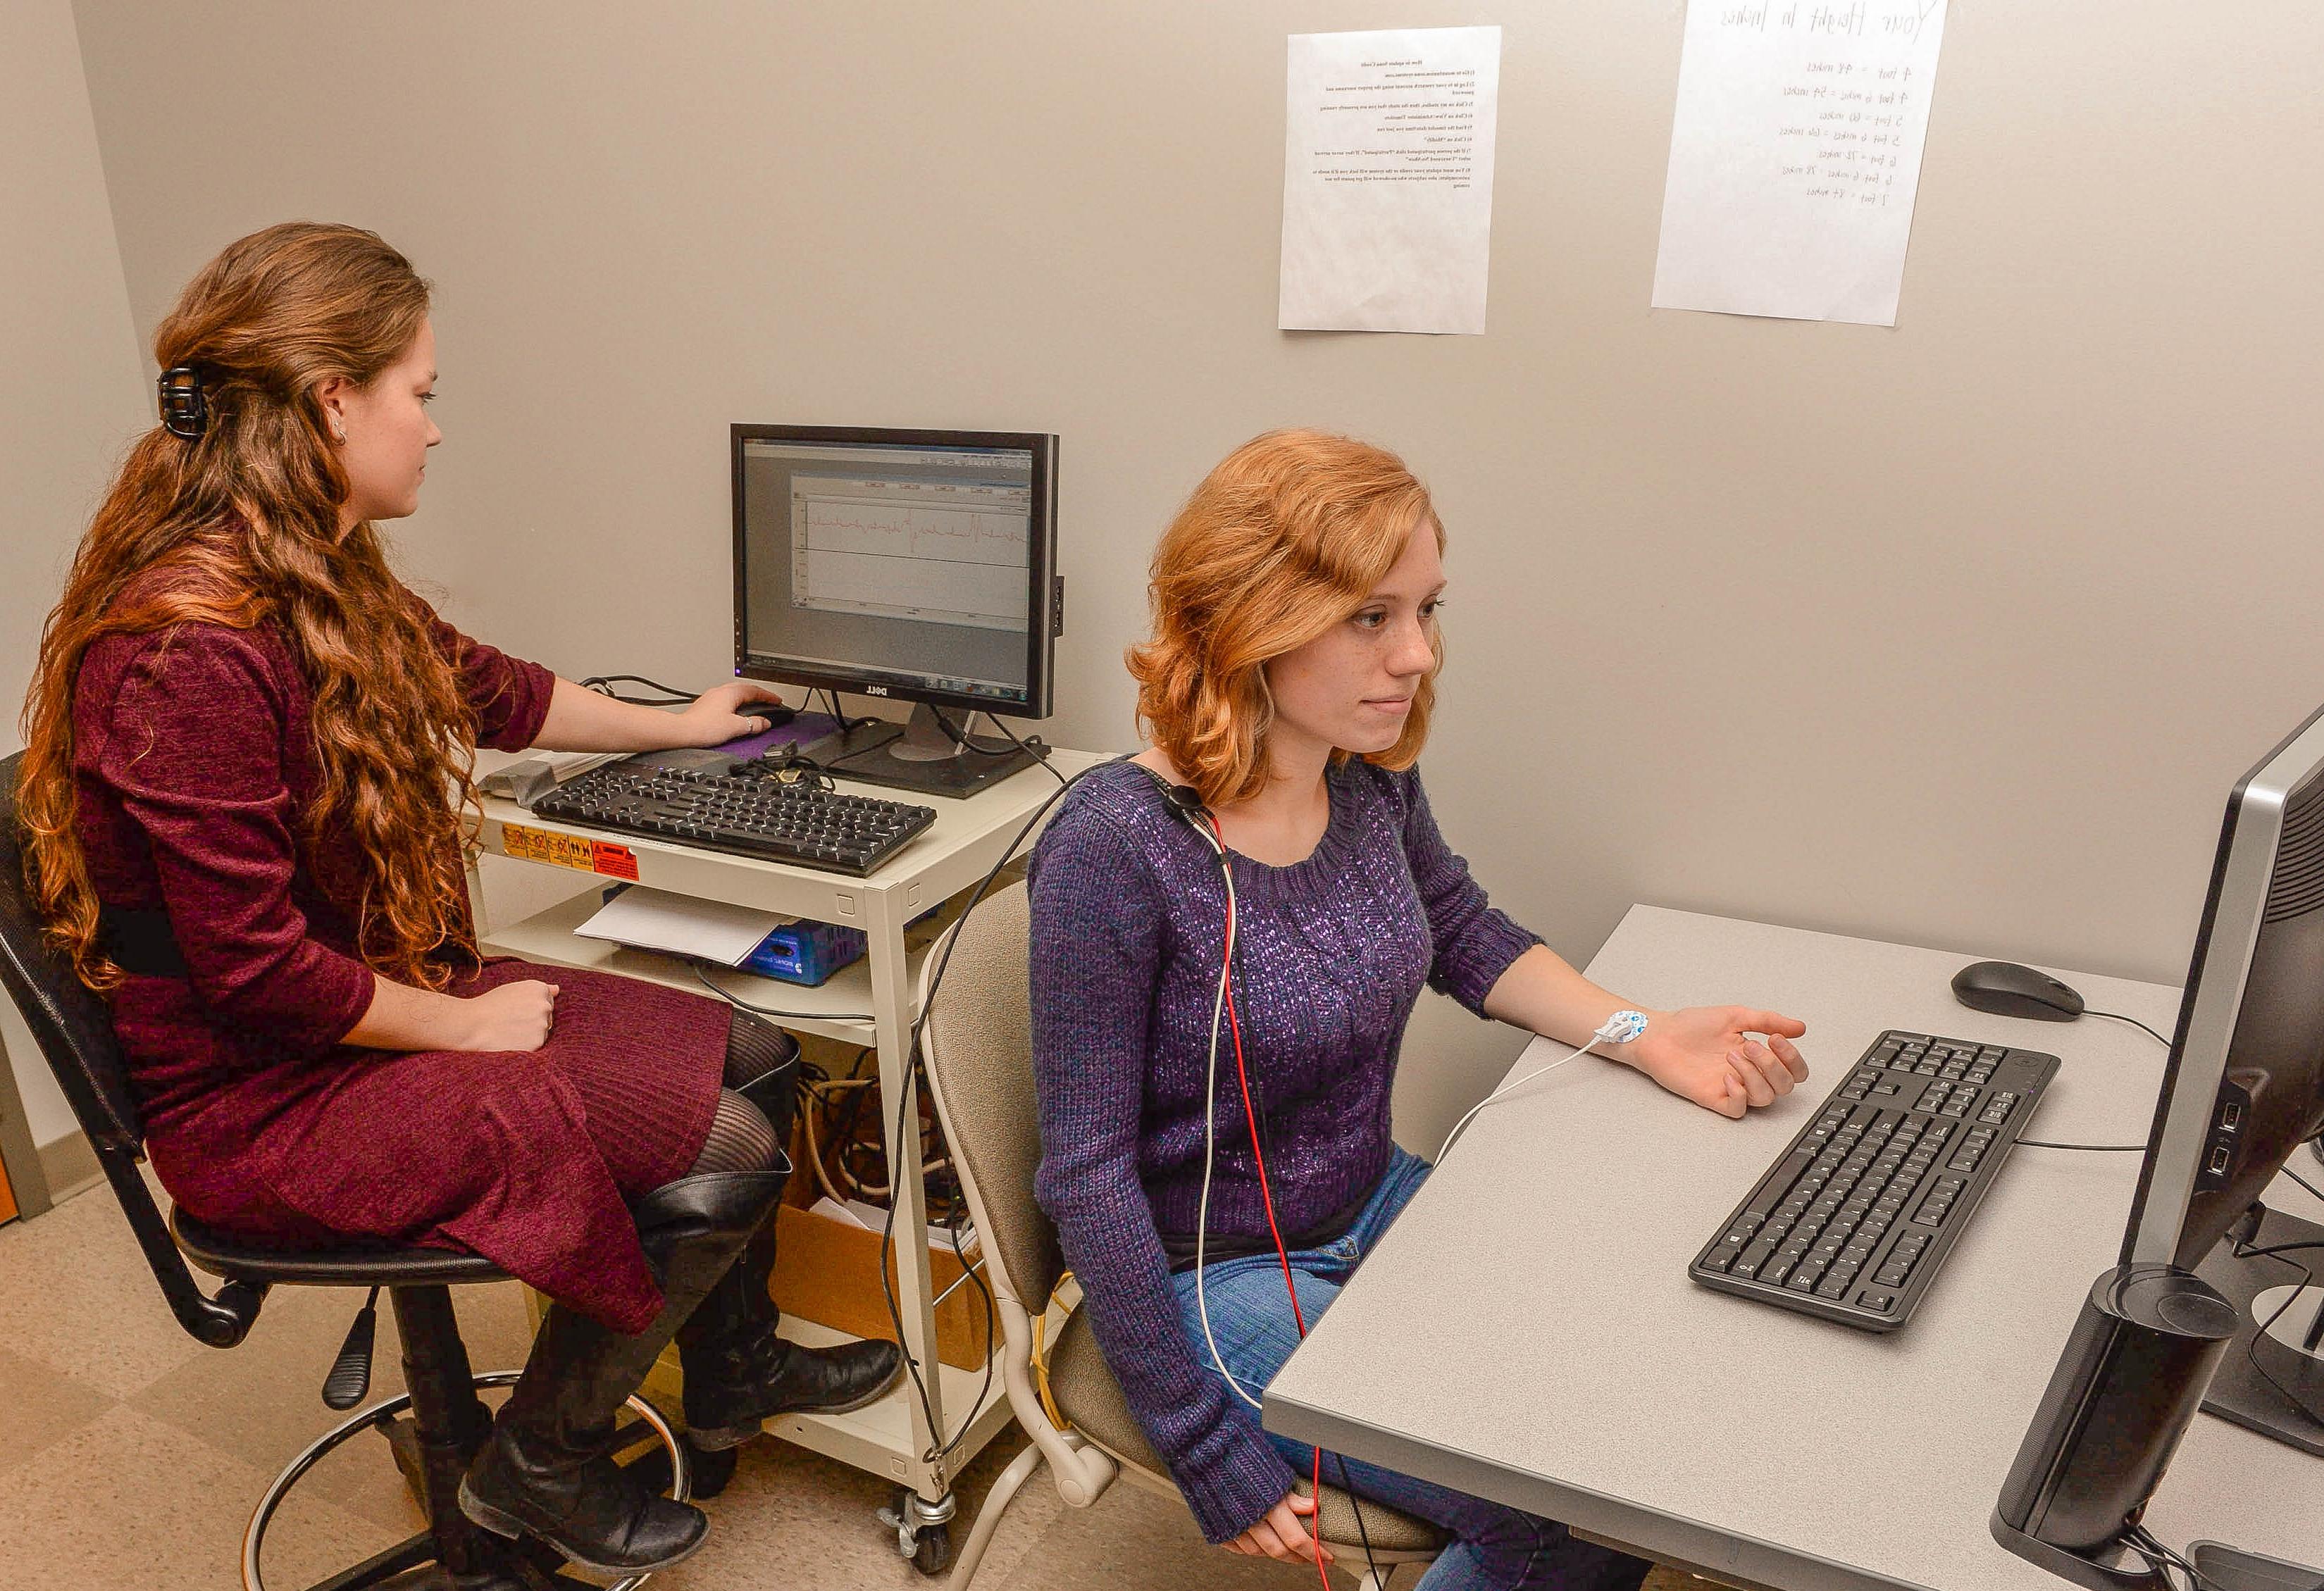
569 851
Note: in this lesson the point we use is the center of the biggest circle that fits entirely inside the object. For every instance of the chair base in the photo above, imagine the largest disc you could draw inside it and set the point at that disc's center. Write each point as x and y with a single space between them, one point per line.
423 1562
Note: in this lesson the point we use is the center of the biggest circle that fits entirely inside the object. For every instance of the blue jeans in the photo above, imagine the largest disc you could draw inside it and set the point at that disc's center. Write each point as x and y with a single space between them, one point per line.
1495 1548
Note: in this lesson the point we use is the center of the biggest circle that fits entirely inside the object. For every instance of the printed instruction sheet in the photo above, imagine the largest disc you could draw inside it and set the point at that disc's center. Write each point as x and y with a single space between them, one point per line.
1795 156
1388 180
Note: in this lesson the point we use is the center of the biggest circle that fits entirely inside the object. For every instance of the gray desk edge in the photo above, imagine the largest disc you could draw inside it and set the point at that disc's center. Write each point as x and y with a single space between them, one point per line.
1649 1532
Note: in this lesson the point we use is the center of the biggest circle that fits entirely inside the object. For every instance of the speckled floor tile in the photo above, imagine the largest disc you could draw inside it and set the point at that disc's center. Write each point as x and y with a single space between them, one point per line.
39 1407
129 1501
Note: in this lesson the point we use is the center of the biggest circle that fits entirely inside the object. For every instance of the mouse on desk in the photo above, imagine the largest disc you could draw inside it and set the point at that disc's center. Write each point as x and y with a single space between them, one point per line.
2005 988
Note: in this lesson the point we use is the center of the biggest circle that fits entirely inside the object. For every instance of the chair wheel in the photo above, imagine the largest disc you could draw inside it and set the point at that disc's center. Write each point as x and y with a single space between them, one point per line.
932 1553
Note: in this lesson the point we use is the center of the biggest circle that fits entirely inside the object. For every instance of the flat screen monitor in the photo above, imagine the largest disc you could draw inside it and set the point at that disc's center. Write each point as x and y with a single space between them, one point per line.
2212 1305
918 566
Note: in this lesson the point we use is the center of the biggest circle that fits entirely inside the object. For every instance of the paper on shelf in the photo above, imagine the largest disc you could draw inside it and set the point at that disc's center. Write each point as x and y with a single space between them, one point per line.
682 925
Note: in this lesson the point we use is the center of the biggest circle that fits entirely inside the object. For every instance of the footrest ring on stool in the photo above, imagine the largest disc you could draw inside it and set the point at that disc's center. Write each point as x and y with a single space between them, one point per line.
253 1540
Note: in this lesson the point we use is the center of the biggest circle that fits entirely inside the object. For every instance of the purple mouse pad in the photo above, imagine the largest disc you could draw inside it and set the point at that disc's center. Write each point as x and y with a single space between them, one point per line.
801 729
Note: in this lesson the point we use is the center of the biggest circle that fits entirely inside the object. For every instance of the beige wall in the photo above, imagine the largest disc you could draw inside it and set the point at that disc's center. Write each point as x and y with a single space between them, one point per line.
1956 633
70 390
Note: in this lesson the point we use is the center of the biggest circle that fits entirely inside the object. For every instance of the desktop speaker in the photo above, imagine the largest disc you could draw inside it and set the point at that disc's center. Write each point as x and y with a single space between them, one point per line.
2131 1378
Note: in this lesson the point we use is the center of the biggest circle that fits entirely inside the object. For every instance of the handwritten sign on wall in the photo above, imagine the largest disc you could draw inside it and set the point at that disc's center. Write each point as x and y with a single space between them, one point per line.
1796 155
1388 180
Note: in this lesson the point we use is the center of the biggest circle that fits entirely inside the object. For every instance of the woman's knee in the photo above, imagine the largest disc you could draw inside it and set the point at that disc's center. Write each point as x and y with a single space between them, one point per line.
741 1139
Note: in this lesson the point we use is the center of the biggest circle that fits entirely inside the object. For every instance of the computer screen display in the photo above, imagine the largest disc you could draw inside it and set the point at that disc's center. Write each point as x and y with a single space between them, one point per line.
908 564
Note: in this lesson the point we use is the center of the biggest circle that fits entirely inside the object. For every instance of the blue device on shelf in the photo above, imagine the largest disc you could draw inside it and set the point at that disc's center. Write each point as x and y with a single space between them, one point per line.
805 953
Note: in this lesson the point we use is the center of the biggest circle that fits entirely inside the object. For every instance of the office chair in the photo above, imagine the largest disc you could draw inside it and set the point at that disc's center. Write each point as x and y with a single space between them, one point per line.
447 1422
978 1049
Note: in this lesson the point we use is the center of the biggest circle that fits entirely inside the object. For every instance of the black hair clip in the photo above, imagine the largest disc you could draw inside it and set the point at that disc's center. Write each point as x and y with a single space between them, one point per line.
185 405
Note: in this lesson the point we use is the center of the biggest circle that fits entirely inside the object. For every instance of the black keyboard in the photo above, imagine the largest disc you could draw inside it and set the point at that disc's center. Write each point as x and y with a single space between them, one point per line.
1858 1214
743 807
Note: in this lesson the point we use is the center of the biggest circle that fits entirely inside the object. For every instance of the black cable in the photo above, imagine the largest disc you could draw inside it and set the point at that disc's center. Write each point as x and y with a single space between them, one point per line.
2093 1148
1041 754
2134 1021
839 712
2303 1181
896 1154
1362 1534
740 1004
832 762
2307 1281
2267 1250
975 1275
966 740
671 696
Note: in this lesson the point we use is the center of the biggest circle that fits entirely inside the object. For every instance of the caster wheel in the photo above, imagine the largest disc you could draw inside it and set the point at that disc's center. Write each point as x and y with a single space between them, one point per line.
711 1469
923 1529
932 1553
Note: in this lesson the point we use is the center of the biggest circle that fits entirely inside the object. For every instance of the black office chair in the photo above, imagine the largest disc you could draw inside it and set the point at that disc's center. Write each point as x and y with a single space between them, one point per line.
446 1422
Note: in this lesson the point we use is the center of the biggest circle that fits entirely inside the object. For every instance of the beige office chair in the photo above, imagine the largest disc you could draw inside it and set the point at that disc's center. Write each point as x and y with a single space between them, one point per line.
978 1047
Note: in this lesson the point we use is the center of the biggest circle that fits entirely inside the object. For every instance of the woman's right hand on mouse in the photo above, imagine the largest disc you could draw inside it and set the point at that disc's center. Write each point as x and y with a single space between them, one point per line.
513 1017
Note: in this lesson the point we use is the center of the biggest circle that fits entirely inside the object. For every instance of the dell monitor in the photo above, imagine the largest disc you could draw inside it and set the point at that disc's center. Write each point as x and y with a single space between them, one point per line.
2212 1304
917 565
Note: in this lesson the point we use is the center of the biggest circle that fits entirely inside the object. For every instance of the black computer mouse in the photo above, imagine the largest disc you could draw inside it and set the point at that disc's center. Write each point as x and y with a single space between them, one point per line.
2008 990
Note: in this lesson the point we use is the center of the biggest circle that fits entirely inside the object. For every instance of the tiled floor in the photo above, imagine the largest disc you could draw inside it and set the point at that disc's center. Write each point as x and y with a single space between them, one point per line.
131 1455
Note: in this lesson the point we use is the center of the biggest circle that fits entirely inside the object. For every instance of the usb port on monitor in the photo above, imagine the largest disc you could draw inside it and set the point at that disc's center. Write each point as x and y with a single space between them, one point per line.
2219 1162
2231 1116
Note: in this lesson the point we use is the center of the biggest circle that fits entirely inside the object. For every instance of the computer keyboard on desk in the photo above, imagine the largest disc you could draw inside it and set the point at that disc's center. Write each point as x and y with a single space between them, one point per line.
721 805
1855 1218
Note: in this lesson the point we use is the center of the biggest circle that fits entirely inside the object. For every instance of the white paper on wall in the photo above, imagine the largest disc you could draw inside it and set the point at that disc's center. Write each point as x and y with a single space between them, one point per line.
1388 180
1795 156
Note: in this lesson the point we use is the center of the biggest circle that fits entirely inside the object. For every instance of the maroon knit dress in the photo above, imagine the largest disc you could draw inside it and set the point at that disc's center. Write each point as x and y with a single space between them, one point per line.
195 766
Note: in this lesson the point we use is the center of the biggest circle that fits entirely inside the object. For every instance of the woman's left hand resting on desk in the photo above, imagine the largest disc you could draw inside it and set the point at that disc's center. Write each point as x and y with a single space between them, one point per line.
1730 1059
1709 1055
581 720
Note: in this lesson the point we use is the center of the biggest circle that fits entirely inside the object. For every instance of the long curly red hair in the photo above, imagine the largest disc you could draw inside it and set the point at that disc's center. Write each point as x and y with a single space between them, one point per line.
1287 536
241 527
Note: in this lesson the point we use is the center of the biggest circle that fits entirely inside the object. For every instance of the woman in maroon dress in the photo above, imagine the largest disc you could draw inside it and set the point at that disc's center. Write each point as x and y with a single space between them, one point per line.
248 754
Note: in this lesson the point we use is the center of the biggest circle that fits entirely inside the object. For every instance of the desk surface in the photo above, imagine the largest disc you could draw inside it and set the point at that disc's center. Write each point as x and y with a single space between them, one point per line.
1526 1331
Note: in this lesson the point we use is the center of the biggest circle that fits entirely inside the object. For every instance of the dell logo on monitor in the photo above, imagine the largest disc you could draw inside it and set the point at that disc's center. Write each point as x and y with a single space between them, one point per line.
872 689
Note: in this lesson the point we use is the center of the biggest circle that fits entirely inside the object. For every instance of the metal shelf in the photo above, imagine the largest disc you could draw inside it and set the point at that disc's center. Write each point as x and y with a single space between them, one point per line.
549 937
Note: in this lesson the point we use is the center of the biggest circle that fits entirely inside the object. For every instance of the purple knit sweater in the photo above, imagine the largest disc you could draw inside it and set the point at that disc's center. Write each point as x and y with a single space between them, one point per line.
1129 912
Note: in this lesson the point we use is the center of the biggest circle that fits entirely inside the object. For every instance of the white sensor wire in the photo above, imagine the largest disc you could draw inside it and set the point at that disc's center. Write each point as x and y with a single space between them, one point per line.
1619 1029
1211 1129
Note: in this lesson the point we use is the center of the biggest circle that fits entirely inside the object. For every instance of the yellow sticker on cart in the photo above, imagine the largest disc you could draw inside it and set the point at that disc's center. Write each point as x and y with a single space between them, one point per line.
569 851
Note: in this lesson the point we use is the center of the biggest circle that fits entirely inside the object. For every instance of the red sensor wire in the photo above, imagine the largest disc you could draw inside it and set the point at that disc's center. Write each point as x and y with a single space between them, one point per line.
1266 1198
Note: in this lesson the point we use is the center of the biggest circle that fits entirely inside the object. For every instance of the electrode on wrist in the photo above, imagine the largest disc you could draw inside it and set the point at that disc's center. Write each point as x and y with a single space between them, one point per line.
1621 1027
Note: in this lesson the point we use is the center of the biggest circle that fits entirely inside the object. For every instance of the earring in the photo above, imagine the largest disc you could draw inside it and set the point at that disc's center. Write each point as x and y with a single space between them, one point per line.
339 428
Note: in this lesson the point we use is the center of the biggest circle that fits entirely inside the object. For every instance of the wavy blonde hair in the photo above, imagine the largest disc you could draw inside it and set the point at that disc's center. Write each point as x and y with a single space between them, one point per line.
241 527
1287 536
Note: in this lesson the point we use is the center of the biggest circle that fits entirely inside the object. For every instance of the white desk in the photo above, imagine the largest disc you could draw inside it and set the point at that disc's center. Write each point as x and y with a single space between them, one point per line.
1526 1331
872 1002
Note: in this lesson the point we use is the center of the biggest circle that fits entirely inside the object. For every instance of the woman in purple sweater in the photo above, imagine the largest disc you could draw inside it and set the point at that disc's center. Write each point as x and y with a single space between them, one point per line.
1286 690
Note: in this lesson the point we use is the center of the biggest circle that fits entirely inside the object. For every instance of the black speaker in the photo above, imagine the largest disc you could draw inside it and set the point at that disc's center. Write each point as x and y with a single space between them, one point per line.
2131 1378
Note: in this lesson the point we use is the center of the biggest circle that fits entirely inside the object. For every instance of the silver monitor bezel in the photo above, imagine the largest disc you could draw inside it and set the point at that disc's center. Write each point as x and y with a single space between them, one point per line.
2249 839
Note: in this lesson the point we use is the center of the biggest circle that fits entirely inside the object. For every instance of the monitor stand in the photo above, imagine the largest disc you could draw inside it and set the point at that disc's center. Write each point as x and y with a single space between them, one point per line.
932 755
2239 1389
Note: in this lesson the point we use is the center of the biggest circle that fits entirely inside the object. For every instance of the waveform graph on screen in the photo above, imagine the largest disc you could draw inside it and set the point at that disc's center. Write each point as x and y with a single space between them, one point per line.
942 552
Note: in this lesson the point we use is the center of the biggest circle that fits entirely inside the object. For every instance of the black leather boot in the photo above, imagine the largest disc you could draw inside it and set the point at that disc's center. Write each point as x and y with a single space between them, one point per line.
549 1471
739 1373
